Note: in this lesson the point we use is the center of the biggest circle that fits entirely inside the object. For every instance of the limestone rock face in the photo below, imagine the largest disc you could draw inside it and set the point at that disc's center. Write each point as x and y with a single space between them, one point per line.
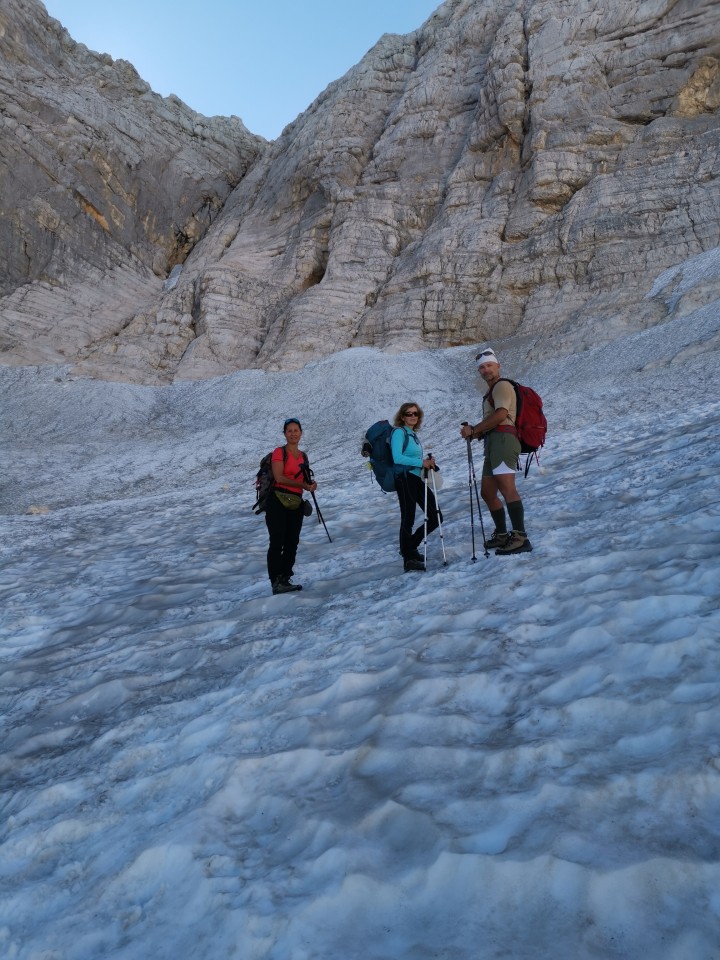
104 186
514 167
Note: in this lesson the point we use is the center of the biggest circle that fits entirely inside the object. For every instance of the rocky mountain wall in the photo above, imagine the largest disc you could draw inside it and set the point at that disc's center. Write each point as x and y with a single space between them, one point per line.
104 186
512 168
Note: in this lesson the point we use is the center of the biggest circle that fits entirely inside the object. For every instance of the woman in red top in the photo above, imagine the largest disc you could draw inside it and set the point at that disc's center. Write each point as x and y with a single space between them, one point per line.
285 510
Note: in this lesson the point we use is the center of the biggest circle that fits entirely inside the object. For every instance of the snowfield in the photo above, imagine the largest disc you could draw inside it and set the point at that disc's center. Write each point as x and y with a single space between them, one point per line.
517 757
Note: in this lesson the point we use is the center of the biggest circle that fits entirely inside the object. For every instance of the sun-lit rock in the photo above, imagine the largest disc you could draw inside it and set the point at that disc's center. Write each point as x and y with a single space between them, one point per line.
510 168
105 187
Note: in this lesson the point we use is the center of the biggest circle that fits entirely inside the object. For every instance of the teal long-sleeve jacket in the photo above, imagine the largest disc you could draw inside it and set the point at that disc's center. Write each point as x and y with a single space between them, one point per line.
412 456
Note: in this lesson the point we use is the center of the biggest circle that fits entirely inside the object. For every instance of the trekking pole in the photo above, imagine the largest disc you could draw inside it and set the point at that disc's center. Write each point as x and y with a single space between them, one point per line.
307 476
470 474
425 520
439 513
471 471
482 525
477 497
320 517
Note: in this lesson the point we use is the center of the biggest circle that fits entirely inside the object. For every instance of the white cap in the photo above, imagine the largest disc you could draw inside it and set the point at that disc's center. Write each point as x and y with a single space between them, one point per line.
486 356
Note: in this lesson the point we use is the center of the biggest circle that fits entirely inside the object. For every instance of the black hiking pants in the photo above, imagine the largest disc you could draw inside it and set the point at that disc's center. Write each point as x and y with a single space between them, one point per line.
284 528
411 494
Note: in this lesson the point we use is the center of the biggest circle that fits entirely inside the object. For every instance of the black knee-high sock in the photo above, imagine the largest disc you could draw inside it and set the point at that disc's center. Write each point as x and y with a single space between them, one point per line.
517 516
499 519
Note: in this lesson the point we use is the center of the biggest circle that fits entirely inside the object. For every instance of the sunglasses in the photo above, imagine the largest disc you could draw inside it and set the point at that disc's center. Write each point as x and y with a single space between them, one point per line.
485 353
412 413
291 420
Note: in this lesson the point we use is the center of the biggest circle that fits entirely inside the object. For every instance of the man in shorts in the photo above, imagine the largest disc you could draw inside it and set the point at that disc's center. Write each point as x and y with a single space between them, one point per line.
502 449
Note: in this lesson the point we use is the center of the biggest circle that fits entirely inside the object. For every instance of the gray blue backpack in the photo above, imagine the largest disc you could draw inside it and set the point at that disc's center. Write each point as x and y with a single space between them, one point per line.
377 447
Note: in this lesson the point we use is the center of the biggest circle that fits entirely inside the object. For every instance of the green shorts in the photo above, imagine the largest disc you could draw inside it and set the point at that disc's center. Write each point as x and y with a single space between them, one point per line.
500 448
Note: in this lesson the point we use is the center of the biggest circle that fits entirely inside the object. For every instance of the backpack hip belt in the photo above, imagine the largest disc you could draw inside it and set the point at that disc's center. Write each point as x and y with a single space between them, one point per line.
505 428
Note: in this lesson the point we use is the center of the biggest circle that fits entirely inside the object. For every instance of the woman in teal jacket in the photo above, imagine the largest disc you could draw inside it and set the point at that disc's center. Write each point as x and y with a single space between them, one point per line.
409 462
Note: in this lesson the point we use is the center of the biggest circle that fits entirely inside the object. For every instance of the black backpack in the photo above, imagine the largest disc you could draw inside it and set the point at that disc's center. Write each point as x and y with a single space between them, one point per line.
265 481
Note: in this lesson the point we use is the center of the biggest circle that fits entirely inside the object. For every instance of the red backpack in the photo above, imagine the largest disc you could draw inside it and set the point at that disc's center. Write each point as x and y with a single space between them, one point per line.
530 422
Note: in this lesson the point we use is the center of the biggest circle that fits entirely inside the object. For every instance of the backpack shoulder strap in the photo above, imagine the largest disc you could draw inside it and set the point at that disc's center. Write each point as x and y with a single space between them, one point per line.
406 436
303 457
302 454
489 397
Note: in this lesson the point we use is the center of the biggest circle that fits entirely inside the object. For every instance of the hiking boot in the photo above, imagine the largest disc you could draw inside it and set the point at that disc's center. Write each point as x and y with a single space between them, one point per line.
415 555
412 564
496 540
515 542
287 581
284 585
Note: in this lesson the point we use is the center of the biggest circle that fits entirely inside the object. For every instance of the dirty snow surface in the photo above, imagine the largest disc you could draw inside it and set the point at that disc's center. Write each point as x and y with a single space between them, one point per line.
517 757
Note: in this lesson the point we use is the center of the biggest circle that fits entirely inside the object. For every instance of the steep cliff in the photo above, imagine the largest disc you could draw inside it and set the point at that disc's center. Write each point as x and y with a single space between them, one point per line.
514 167
104 186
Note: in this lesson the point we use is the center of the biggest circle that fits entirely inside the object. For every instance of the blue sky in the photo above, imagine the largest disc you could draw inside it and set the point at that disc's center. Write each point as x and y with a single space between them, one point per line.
262 62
